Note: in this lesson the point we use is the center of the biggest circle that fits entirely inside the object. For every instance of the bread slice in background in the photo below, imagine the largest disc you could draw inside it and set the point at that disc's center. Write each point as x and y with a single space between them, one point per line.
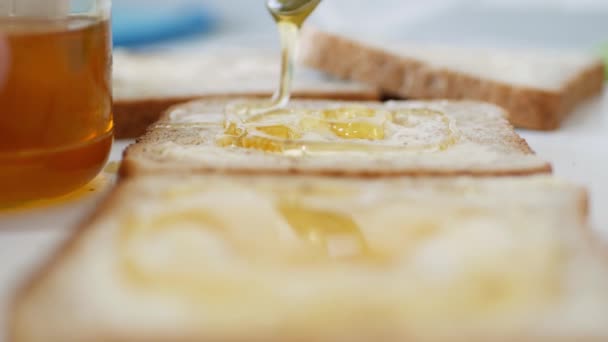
538 88
441 138
209 258
145 85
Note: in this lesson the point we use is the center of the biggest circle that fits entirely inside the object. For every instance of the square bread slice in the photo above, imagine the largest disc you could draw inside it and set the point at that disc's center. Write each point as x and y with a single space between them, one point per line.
145 85
439 138
211 258
538 88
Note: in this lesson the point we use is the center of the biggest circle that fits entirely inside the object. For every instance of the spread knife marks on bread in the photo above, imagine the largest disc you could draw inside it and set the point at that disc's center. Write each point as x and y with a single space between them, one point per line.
438 138
538 88
145 85
324 259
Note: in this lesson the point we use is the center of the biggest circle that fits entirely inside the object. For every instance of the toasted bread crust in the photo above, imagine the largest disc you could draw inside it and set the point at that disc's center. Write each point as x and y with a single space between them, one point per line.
410 78
132 117
131 168
589 83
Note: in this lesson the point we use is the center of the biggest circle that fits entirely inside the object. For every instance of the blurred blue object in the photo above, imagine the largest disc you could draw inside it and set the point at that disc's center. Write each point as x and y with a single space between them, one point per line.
139 25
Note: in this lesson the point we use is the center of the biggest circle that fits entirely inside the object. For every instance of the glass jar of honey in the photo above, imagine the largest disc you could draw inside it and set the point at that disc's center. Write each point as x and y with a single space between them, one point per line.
55 96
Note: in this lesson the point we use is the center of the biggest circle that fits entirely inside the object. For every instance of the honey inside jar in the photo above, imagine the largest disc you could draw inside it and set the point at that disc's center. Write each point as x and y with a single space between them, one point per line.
55 105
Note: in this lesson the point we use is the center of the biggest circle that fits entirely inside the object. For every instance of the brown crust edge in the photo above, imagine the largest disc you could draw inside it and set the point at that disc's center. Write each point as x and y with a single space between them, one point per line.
411 78
130 168
586 85
132 117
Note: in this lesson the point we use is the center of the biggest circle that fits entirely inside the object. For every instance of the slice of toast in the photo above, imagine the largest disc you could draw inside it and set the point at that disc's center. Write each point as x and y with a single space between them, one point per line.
210 258
438 138
538 88
145 85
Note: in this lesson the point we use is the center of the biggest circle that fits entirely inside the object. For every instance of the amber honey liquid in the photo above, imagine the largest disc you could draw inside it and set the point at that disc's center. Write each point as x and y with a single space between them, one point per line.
55 105
289 15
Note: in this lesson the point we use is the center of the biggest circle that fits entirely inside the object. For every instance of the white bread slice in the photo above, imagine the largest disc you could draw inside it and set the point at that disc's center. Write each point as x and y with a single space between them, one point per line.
538 88
145 85
460 138
186 258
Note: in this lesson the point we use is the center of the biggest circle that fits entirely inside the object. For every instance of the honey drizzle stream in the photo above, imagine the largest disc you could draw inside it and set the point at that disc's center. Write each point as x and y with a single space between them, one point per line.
289 36
289 16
